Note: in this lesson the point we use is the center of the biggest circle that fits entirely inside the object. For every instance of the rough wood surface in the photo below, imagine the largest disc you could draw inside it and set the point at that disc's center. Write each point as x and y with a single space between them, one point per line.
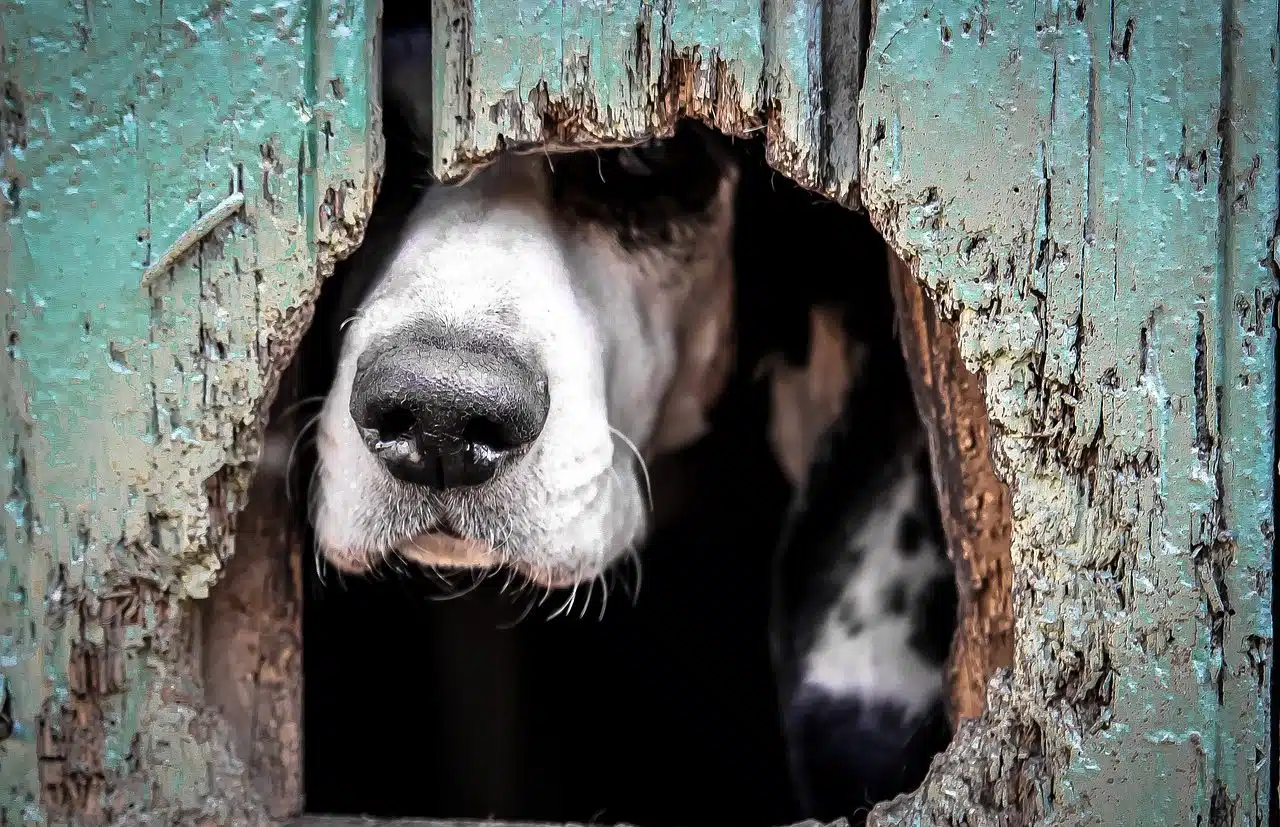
520 75
251 624
973 500
130 414
1088 191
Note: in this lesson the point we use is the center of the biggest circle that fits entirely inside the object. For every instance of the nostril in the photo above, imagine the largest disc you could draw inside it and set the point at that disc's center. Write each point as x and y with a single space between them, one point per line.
394 423
492 435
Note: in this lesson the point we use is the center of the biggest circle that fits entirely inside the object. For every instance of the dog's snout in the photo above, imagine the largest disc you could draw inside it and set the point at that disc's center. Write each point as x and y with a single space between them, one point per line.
447 418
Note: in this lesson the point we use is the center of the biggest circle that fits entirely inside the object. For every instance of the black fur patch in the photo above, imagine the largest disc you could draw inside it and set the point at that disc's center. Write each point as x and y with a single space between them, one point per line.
642 191
851 755
911 533
934 622
895 598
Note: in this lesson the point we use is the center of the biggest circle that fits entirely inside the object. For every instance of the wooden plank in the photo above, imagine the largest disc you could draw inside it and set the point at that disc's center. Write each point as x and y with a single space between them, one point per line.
131 413
542 76
251 623
1069 179
973 500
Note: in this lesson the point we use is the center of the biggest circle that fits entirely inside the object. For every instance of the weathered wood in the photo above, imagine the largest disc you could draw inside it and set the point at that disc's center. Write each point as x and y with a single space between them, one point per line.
1088 191
251 623
131 412
511 74
974 502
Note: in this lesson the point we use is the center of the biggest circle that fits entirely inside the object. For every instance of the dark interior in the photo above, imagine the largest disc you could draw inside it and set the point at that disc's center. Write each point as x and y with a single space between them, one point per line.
441 700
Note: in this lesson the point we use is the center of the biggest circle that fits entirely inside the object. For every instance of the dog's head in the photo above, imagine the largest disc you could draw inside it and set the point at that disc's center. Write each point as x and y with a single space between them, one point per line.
525 336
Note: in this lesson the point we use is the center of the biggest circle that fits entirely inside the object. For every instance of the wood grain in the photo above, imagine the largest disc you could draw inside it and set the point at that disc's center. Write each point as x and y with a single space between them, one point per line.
973 500
252 629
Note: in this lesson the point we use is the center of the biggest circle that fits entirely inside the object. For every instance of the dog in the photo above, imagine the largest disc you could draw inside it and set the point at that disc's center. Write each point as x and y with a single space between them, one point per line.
528 339
522 345
865 599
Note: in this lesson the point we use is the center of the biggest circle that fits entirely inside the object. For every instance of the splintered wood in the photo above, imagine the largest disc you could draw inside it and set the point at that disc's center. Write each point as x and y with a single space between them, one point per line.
973 500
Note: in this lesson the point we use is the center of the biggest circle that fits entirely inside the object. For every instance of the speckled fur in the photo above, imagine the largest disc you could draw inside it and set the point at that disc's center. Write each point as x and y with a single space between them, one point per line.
865 606
616 267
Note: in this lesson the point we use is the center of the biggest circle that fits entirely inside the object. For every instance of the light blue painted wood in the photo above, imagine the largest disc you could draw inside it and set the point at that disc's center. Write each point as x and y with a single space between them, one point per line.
1090 189
130 411
538 75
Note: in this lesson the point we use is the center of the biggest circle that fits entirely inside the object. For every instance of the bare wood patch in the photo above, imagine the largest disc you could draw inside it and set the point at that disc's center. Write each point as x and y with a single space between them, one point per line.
627 74
974 501
71 732
252 633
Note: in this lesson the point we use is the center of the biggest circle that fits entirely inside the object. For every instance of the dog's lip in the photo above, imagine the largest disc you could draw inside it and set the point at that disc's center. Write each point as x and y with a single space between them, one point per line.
445 528
552 580
443 547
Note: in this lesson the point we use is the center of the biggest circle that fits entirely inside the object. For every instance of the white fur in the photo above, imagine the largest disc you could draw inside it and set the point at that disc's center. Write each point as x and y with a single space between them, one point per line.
876 663
491 256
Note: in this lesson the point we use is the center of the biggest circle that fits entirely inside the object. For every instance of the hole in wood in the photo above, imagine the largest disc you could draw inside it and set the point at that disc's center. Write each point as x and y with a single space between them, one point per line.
447 695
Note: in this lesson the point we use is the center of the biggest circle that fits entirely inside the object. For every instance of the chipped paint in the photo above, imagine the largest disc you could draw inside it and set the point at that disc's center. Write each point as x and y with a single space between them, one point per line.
547 76
1088 189
131 409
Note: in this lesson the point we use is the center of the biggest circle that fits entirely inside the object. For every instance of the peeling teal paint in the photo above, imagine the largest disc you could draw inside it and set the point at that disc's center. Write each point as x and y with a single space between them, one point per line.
124 124
1089 190
1071 182
541 75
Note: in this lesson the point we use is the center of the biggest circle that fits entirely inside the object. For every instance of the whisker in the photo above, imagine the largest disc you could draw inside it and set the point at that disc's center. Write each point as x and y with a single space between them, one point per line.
634 555
545 594
586 604
297 405
644 467
293 454
319 563
475 584
568 604
527 609
604 595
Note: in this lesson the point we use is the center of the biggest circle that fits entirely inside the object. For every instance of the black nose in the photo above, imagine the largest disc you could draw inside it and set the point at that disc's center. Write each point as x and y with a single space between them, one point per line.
446 418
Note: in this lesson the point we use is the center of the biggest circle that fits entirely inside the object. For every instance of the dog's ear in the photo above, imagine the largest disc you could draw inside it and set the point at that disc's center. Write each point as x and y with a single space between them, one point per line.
705 340
807 400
